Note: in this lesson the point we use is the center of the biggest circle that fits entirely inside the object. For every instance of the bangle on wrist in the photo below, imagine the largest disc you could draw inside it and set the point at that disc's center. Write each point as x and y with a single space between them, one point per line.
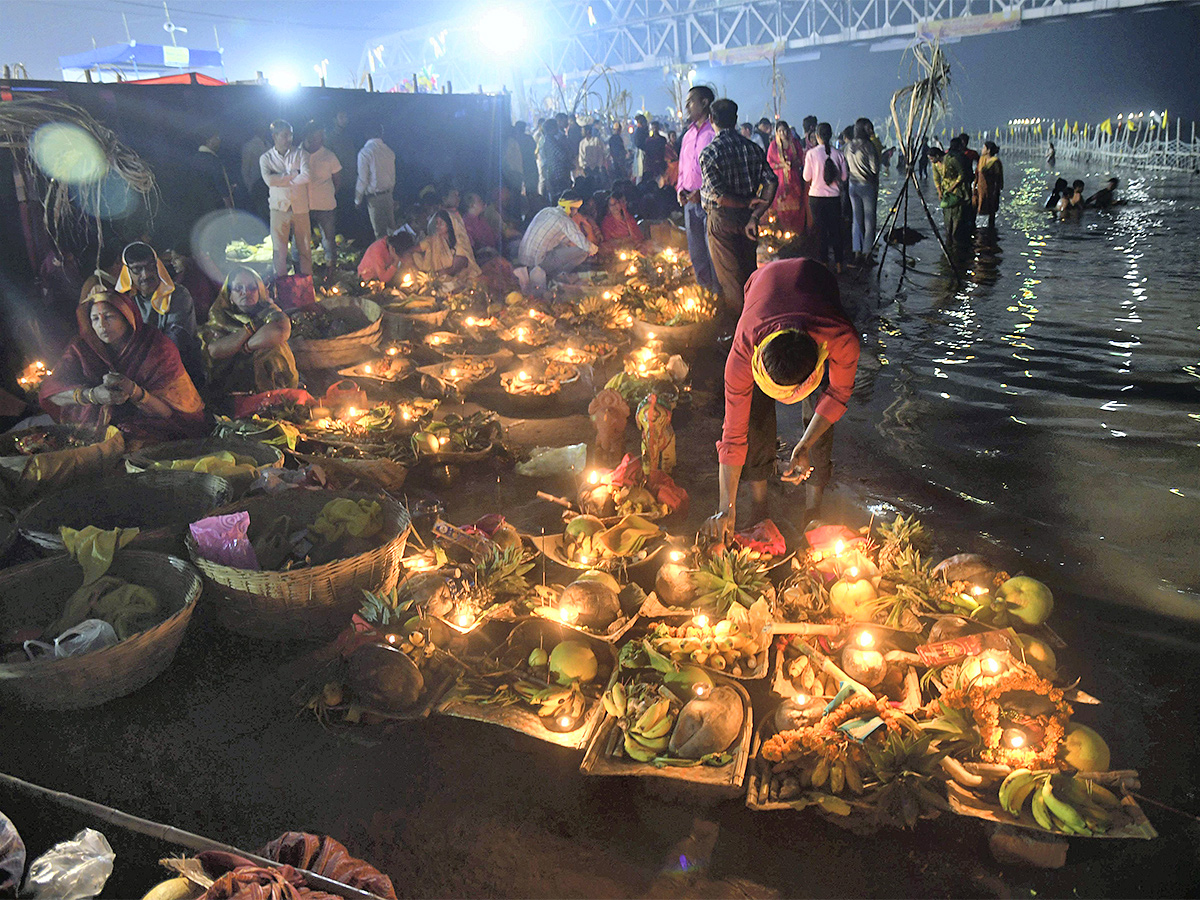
90 396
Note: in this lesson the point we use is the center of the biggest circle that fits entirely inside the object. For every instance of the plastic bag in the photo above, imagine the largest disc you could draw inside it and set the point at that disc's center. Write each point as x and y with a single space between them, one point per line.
548 461
88 635
12 858
224 540
72 870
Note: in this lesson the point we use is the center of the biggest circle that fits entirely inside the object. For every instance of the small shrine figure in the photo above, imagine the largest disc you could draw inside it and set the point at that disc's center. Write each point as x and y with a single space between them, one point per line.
658 437
610 414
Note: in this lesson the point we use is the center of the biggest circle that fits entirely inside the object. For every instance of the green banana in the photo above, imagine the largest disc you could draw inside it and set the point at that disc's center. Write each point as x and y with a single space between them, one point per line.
1041 815
835 805
610 705
660 729
1099 794
637 751
658 745
1014 780
820 773
853 776
1063 811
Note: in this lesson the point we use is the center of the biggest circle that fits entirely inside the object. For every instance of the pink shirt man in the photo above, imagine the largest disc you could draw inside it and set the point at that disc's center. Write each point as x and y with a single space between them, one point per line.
695 139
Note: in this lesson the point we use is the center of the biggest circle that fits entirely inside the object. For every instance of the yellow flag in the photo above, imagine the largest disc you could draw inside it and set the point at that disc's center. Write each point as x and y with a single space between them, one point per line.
1132 125
1106 126
1075 128
1164 125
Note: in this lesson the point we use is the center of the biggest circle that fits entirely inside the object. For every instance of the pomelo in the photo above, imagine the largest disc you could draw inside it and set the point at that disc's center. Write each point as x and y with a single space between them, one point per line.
1084 749
1028 599
573 661
1039 656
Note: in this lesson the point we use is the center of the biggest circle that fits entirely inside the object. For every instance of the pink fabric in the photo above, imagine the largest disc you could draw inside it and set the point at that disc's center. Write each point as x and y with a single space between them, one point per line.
621 229
814 172
377 263
695 139
800 294
480 233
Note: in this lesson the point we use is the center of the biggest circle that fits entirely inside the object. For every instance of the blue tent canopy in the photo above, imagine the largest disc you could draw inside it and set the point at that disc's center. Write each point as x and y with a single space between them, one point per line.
143 56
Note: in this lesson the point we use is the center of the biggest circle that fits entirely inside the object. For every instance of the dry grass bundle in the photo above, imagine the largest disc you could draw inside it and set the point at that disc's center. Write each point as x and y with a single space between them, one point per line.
68 205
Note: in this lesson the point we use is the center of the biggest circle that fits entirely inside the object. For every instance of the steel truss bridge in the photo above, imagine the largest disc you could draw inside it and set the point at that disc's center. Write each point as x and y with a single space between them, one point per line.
575 37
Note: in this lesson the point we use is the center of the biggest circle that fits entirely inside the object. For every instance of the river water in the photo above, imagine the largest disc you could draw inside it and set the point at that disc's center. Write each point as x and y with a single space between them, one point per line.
1050 401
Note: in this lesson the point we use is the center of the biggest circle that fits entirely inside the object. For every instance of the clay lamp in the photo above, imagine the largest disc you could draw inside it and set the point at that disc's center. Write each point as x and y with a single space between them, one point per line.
863 661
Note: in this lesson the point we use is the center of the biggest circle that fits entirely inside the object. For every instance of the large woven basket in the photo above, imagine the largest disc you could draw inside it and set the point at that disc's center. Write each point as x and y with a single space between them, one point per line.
161 504
34 594
313 603
264 455
345 349
24 479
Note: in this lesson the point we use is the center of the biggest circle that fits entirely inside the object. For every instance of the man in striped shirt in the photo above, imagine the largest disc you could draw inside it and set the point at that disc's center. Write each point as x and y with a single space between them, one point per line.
737 187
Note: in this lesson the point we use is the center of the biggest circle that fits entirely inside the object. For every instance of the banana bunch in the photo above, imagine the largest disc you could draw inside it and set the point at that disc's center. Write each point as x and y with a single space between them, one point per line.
806 677
565 702
1062 803
646 716
722 646
833 774
416 647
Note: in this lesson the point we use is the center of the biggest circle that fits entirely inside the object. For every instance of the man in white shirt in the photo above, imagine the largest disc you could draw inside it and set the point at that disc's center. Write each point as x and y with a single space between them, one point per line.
325 174
285 170
376 181
553 243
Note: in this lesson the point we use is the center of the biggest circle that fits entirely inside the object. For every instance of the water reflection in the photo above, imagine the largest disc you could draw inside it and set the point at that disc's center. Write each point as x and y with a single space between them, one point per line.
1055 386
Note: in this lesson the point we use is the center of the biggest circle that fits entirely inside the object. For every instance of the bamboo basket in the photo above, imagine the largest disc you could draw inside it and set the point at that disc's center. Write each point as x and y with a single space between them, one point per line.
311 603
346 349
707 782
161 504
33 594
24 479
264 456
675 337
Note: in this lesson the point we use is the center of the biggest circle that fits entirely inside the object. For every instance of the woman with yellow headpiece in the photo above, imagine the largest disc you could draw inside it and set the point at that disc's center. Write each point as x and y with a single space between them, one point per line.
792 333
246 339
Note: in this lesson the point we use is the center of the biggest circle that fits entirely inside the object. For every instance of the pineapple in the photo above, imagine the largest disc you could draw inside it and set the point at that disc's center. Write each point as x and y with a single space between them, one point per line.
902 538
730 576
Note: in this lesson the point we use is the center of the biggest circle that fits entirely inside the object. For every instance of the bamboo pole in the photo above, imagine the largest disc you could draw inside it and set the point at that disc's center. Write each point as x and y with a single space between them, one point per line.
172 835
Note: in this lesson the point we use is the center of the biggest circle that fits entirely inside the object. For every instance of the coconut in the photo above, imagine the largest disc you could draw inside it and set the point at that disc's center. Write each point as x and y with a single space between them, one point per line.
383 678
683 683
602 578
969 567
708 724
573 661
595 604
506 537
675 586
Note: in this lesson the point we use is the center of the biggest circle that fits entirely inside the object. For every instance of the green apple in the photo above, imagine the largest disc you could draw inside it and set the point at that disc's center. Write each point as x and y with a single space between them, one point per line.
1028 599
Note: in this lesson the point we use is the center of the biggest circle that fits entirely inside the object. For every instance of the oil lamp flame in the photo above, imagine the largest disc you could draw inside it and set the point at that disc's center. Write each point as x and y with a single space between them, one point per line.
866 640
701 621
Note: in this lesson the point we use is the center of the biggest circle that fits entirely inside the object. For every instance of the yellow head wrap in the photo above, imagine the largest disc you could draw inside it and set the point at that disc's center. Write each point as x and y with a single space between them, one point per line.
568 205
786 393
161 301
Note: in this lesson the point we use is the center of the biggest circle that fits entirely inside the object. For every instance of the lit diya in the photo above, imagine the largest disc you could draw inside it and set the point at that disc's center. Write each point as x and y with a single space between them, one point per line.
528 332
444 342
649 361
465 371
389 368
538 381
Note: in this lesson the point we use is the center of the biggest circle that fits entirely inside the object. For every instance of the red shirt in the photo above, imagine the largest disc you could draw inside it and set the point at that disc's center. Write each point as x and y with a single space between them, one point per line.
377 263
621 229
788 294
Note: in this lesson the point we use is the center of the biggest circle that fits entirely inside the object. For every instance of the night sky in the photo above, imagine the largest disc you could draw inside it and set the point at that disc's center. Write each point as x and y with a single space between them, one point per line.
1077 67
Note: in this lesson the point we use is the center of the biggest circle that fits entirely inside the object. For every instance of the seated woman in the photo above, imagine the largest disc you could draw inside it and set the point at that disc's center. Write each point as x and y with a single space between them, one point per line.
382 260
441 253
118 371
620 228
245 340
479 229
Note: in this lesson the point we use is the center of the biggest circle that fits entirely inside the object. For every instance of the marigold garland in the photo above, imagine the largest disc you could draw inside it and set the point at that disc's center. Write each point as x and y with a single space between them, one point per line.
981 699
823 736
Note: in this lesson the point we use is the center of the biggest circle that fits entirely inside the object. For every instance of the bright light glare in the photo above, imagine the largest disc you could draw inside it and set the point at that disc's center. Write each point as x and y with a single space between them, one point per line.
68 153
283 79
503 31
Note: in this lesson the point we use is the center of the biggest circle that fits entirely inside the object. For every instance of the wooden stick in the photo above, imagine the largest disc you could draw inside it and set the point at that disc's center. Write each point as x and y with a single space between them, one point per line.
805 628
172 835
561 501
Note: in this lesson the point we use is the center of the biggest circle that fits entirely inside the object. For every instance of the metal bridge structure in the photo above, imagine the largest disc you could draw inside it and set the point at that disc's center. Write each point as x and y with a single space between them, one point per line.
566 39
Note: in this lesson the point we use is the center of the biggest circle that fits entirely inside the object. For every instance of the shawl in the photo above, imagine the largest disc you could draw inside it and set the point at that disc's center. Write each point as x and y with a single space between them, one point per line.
263 370
148 358
161 301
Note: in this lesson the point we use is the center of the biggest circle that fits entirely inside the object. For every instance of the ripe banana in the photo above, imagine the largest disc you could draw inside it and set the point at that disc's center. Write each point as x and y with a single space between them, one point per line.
1020 794
635 750
1097 793
821 773
660 729
1017 778
658 744
837 777
654 714
610 705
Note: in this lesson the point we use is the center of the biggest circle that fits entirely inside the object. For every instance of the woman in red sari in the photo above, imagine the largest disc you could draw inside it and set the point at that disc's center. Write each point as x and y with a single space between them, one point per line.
786 157
120 373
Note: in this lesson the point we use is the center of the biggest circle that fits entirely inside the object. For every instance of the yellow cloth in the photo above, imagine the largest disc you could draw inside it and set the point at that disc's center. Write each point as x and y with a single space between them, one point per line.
161 301
358 518
787 393
128 608
94 549
222 463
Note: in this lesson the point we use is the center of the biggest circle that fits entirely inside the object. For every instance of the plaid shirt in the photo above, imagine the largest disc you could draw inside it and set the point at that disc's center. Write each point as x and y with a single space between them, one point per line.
732 166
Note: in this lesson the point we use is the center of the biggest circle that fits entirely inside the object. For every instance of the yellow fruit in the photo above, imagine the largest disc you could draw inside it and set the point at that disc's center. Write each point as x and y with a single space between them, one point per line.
514 298
1039 656
1084 749
573 661
1028 599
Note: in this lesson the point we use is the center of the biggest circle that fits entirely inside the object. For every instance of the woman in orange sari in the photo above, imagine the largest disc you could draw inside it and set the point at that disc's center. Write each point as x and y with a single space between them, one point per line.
786 158
119 372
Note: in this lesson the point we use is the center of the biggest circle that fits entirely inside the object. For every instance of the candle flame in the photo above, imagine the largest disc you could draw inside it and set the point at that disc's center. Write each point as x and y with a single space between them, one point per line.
464 619
852 571
392 351
565 721
391 639
802 698
701 620
676 555
594 477
650 335
523 376
839 548
443 441
366 370
351 412
991 665
978 589
568 613
866 640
